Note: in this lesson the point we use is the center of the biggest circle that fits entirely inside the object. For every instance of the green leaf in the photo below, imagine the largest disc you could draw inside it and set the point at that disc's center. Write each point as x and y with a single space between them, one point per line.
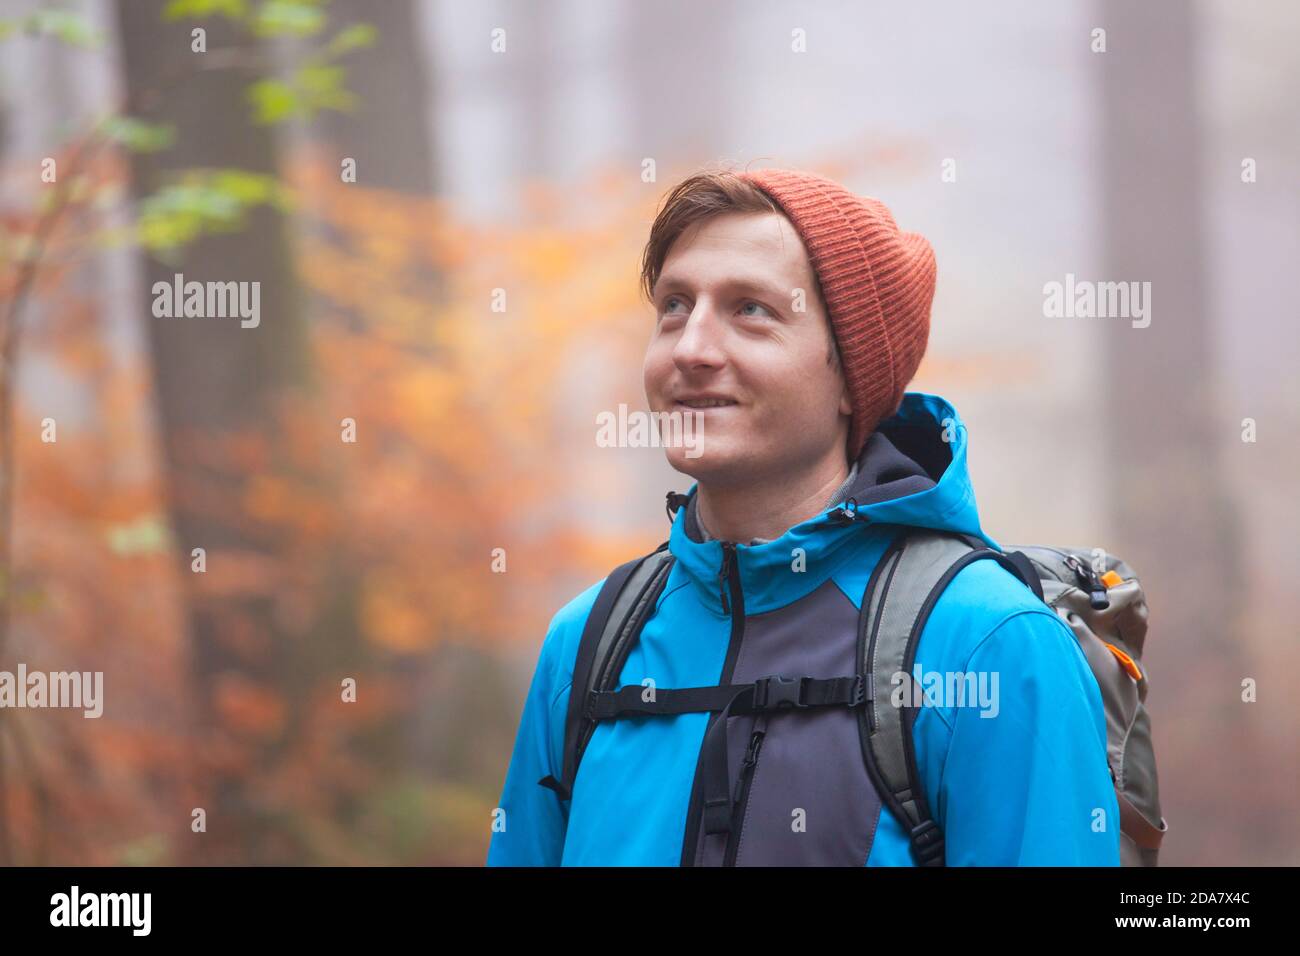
352 37
150 850
292 18
244 187
198 9
114 237
137 135
145 535
313 87
322 88
273 101
65 25
319 80
204 202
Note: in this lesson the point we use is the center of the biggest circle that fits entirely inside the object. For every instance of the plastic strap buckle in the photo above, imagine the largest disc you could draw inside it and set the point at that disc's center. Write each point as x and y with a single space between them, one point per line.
771 693
859 691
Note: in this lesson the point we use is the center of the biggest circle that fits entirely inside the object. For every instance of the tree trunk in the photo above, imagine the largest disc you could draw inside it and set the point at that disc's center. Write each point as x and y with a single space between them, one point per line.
1167 490
214 378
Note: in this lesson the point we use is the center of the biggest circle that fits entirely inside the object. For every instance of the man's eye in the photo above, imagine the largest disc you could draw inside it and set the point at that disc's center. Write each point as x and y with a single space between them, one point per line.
765 310
668 303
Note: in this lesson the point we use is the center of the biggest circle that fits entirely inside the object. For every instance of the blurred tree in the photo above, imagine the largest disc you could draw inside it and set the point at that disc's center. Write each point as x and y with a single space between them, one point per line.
389 131
389 135
1170 499
668 118
325 560
214 380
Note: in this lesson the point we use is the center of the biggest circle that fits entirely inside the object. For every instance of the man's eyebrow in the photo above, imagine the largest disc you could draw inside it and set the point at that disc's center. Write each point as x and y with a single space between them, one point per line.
740 283
665 281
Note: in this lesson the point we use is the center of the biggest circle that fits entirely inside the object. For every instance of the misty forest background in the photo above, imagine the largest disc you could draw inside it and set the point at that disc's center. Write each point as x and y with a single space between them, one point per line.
523 170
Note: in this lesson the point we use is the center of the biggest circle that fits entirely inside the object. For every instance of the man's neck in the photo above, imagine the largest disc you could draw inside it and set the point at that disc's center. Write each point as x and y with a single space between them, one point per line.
768 510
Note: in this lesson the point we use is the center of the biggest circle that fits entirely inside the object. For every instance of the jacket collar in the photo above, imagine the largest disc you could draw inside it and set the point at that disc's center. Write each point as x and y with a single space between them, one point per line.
911 471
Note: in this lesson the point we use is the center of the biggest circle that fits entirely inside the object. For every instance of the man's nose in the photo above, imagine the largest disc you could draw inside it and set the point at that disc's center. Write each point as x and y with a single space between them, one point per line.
701 341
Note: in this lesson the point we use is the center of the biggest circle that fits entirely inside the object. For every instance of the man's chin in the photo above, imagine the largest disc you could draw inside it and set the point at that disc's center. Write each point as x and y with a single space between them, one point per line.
710 463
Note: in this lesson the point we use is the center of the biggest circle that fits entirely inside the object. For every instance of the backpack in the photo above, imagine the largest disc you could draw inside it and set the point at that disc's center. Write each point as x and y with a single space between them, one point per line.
1104 606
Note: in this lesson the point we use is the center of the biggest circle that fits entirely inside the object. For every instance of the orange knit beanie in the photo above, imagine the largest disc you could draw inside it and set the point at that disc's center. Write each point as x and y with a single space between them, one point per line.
877 283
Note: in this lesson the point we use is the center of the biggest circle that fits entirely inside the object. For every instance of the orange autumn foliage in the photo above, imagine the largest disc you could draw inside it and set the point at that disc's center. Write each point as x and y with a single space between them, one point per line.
387 541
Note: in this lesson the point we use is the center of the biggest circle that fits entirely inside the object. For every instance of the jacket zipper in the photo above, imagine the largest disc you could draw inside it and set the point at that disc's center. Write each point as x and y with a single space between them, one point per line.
743 784
724 577
728 580
745 779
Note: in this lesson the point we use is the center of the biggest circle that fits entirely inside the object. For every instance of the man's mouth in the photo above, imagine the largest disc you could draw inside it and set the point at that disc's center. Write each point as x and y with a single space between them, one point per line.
701 403
706 402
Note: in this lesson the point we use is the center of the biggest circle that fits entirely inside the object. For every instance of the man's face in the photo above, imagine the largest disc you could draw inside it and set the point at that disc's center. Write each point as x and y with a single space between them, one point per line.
727 329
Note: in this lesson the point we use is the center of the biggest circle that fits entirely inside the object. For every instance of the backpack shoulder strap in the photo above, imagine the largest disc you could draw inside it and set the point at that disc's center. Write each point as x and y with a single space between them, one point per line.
626 599
906 584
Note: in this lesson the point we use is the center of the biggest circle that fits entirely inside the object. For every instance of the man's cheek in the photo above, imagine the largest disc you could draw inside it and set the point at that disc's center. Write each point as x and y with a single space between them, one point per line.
652 380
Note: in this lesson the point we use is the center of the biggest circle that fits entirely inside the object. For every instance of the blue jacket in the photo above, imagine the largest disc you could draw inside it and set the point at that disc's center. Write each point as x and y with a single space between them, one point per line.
1029 787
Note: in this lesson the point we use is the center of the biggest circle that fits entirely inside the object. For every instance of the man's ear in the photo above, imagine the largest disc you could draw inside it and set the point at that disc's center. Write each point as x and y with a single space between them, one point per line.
846 404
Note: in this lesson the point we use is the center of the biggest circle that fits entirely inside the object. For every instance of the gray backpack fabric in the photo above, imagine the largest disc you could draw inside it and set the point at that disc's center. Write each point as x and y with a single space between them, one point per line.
1108 617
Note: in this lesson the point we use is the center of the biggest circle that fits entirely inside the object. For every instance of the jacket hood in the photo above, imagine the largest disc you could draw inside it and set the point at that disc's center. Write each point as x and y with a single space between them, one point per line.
911 471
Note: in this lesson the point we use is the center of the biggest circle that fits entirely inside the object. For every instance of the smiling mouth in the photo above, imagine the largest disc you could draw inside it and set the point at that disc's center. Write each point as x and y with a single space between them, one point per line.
698 404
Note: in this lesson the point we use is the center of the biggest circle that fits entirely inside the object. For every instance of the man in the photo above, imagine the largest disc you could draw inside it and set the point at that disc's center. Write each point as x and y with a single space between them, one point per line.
791 314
